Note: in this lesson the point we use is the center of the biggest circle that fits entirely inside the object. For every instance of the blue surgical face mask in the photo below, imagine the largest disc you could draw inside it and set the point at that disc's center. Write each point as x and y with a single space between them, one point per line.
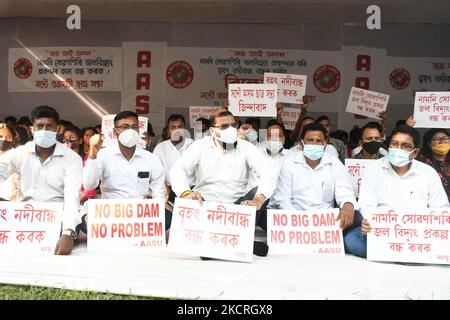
251 136
313 151
44 138
399 157
274 146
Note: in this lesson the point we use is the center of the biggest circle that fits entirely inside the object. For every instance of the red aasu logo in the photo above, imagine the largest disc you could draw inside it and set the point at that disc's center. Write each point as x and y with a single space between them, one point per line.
179 74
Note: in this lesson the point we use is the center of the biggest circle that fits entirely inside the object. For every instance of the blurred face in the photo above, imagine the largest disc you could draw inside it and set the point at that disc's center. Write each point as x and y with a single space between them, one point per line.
275 133
370 134
327 125
314 137
48 124
173 125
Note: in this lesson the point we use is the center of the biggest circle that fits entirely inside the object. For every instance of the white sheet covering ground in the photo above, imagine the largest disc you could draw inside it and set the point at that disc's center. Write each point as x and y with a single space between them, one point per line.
273 277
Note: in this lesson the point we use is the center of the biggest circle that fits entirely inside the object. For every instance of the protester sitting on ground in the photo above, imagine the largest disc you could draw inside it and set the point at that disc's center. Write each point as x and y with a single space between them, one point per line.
370 142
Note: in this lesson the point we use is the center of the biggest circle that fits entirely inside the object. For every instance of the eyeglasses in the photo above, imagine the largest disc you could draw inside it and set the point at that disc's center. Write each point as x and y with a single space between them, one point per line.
226 126
403 146
127 127
441 140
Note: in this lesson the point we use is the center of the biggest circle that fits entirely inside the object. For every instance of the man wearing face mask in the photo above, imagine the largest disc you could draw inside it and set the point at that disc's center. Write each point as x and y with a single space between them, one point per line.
221 164
49 172
370 143
397 181
314 180
125 170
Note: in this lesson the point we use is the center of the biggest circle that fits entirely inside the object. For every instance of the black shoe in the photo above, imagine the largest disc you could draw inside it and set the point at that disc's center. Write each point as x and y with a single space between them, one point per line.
260 248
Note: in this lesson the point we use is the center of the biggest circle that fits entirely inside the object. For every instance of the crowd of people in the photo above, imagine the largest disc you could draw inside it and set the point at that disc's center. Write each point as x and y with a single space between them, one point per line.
44 158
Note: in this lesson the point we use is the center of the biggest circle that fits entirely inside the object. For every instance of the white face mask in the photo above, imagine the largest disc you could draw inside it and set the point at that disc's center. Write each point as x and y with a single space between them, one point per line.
229 135
129 138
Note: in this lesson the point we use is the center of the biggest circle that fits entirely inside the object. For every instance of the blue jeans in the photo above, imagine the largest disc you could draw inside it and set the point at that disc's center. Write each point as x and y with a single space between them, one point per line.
356 243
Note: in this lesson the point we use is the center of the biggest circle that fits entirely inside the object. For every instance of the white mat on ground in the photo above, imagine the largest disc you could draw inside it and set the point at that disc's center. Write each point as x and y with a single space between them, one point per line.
272 277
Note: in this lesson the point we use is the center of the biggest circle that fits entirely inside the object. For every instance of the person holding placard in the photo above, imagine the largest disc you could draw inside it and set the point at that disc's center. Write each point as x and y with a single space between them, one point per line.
370 142
435 153
221 164
49 172
397 181
125 171
314 180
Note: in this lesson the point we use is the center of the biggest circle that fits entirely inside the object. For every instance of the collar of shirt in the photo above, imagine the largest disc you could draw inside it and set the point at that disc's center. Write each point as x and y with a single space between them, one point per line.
137 151
385 164
59 150
325 160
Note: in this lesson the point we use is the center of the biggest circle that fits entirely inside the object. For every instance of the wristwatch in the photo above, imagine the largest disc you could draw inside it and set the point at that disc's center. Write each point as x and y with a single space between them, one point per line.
70 233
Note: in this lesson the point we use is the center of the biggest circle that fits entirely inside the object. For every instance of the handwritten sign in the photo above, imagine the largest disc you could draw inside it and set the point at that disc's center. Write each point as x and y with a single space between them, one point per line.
65 68
252 100
355 167
108 130
290 87
366 103
123 225
29 227
304 232
290 117
200 112
432 109
409 235
216 230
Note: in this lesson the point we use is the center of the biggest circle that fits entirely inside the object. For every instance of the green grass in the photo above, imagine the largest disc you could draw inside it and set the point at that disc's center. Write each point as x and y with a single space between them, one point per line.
13 292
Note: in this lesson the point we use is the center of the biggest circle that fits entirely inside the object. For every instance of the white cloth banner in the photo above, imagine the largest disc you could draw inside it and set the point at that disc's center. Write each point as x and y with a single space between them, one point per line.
407 75
126 225
48 69
355 169
304 232
215 230
291 87
253 100
432 110
409 235
366 103
200 76
29 227
110 138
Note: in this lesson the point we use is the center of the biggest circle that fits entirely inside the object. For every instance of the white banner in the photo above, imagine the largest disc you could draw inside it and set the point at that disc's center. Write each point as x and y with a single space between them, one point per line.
200 112
252 100
409 235
200 76
215 230
355 168
432 110
110 138
291 87
126 225
48 69
366 103
29 227
289 116
407 75
304 232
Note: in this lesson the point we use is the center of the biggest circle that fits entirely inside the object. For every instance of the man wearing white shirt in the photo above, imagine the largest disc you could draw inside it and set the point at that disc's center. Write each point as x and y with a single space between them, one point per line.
221 164
397 181
49 172
125 170
314 180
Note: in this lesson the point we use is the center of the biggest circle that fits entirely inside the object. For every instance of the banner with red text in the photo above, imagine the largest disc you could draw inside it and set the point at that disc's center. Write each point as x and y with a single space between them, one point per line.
252 100
355 169
126 225
290 87
46 69
304 232
110 138
409 235
432 109
366 103
29 227
215 230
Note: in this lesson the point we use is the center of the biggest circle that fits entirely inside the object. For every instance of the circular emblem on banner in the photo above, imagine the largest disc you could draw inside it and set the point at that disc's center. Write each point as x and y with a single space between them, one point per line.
180 74
23 68
400 78
327 79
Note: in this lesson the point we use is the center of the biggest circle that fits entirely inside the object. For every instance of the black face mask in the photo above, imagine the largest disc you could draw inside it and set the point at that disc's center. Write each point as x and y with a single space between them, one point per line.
178 141
60 137
372 147
5 145
229 146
